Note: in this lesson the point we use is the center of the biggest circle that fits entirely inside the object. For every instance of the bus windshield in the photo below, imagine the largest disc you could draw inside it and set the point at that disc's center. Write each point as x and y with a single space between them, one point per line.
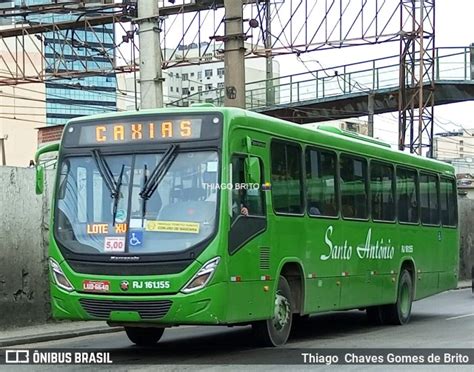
113 204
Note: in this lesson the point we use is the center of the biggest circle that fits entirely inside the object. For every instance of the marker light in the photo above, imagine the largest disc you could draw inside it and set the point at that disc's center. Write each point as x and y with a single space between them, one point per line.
202 277
58 276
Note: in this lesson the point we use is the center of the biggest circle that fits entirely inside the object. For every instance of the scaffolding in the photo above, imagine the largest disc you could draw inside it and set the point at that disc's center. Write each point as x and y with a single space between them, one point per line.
417 76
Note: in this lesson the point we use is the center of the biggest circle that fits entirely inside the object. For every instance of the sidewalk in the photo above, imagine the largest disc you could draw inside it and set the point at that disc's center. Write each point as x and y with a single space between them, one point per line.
53 331
464 284
63 330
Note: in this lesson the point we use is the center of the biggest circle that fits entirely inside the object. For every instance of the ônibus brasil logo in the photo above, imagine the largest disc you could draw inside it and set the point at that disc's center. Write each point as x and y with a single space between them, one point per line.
124 285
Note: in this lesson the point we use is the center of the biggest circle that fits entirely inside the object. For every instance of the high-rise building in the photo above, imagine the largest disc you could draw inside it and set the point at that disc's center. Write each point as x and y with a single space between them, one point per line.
77 50
49 105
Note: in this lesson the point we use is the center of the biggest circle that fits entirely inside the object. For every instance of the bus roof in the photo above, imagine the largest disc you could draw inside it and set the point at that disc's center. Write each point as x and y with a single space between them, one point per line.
331 139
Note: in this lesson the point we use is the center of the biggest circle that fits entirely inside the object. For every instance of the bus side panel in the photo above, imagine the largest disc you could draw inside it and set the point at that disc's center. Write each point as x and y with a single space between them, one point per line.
361 273
248 300
448 276
427 251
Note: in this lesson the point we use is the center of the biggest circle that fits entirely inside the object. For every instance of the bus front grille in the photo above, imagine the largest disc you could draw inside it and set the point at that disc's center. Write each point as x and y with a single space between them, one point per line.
146 309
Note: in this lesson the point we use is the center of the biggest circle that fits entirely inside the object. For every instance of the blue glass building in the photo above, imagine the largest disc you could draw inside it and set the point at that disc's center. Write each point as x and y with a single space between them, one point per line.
77 50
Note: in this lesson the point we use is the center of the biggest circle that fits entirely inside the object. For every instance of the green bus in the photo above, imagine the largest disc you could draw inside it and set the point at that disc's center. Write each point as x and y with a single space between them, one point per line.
221 216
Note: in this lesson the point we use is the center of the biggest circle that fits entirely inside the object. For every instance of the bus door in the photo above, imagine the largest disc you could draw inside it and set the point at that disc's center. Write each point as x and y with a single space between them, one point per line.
248 245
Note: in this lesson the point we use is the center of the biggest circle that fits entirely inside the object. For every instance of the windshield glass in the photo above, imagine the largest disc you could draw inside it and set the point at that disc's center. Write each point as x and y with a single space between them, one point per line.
177 215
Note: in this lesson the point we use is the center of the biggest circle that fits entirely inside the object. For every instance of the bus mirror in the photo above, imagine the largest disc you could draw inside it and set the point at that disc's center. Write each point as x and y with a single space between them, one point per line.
252 170
39 179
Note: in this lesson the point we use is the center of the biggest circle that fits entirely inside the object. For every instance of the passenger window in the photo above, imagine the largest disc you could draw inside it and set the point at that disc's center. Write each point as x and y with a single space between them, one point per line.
286 181
406 195
247 200
321 183
429 199
448 202
353 173
382 192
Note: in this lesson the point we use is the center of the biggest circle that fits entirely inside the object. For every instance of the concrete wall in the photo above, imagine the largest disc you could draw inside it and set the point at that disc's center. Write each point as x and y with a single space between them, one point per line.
466 254
24 296
24 226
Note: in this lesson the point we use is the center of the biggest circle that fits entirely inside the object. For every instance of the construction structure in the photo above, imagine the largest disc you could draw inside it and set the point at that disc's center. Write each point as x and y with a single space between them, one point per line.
417 76
272 28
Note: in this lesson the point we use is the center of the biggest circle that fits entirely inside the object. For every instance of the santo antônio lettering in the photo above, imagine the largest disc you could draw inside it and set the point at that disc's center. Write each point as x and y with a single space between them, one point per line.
378 250
148 131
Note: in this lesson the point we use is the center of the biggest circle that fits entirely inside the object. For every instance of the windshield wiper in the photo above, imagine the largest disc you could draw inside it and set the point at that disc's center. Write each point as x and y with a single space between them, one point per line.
145 179
151 184
117 195
108 177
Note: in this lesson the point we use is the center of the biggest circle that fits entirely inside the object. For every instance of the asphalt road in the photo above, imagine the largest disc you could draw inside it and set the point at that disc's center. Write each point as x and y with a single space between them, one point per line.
442 321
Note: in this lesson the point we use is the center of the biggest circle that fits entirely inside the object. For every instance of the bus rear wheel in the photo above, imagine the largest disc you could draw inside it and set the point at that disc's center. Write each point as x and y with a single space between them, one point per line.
275 331
399 313
144 336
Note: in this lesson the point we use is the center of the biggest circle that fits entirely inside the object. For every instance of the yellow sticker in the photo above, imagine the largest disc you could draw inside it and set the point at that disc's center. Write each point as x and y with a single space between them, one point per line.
173 226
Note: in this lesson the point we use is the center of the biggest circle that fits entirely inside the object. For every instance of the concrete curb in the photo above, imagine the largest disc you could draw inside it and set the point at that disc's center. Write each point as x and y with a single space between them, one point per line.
61 335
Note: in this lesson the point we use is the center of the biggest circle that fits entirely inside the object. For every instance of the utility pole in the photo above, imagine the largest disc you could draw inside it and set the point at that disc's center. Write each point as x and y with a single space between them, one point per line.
151 80
234 54
370 109
270 95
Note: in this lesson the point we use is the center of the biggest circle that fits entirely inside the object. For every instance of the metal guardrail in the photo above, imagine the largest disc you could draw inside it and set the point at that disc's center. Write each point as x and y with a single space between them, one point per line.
451 64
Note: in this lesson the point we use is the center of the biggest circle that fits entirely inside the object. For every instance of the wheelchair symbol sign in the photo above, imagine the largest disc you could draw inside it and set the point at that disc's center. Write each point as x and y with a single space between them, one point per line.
135 239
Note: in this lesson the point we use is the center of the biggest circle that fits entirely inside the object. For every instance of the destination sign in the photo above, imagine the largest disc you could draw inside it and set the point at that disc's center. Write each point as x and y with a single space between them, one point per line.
145 129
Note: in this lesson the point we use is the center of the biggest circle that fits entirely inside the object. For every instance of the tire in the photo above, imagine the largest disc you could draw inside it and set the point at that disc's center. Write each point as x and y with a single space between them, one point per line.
399 313
275 331
375 315
144 336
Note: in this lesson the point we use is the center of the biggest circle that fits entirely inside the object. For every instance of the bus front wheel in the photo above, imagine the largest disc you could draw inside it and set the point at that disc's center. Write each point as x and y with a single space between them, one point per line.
399 313
144 336
275 331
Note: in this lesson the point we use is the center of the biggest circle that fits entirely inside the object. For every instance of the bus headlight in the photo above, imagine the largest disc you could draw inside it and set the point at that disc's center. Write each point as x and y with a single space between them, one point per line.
59 277
202 277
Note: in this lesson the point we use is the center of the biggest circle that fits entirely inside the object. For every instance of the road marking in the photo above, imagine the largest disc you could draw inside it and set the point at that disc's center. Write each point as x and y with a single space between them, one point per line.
460 316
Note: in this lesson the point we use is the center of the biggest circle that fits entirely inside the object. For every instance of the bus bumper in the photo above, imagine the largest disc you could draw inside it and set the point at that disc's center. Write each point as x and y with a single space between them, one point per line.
205 306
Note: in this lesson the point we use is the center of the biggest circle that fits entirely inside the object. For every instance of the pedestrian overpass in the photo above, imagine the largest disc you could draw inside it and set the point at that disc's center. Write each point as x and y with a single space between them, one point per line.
342 91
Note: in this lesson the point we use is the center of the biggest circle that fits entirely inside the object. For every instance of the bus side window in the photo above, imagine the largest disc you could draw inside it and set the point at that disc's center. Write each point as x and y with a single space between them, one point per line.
381 190
407 196
448 202
353 186
321 183
429 199
247 200
287 187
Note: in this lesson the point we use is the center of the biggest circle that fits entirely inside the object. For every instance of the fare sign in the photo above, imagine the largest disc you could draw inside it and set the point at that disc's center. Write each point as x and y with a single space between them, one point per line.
143 129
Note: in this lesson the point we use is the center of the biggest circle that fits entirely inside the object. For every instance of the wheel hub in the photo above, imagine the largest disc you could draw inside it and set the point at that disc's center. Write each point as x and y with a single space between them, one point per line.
282 312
